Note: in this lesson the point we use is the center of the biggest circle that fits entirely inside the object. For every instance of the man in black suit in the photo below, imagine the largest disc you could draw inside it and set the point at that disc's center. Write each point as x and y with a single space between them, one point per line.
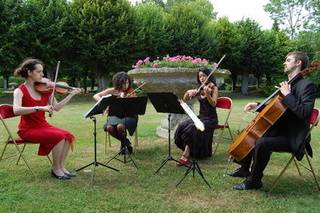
289 133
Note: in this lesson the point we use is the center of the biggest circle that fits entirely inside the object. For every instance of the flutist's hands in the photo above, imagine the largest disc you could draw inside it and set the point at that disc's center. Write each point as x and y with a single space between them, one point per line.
250 106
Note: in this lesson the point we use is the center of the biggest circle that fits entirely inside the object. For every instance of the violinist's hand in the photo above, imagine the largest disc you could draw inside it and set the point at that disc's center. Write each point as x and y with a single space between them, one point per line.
192 93
215 65
250 106
75 91
207 90
47 108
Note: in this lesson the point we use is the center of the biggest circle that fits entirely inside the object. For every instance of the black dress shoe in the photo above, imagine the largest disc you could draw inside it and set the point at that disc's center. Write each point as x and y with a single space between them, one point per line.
70 174
63 177
122 150
129 147
246 185
240 172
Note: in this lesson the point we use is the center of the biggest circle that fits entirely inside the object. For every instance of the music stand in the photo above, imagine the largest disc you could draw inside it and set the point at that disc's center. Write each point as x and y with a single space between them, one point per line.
98 108
168 103
124 107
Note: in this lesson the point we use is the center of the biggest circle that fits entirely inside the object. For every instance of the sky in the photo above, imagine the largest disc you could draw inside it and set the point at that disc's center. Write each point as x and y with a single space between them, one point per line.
235 10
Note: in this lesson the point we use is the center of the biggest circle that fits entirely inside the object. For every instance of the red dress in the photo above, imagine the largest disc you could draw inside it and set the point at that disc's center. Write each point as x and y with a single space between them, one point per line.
33 127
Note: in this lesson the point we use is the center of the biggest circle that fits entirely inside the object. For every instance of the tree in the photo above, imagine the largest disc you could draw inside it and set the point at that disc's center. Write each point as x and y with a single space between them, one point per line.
229 42
185 27
250 50
11 16
292 15
106 32
152 37
44 31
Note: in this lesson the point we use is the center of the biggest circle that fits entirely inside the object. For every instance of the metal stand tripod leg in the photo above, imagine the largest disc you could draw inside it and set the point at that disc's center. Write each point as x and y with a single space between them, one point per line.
126 154
95 163
194 167
169 157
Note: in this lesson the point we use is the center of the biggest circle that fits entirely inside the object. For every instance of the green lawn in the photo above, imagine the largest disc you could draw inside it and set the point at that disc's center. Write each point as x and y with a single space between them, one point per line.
132 190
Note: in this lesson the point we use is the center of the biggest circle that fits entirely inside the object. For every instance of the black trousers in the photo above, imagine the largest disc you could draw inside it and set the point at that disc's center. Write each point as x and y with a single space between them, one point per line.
261 153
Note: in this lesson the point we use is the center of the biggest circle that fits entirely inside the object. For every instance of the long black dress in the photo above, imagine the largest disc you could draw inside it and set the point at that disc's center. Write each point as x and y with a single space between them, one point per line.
200 143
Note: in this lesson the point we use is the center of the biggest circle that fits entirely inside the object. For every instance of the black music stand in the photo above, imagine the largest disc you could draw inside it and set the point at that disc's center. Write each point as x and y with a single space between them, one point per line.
124 107
168 103
98 108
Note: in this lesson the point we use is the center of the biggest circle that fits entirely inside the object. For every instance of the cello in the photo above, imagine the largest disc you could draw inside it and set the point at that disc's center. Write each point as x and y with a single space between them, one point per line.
272 110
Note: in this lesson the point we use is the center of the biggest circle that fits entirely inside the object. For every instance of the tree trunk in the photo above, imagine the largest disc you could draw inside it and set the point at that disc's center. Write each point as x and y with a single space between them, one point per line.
85 82
102 82
268 81
244 84
234 81
92 82
5 82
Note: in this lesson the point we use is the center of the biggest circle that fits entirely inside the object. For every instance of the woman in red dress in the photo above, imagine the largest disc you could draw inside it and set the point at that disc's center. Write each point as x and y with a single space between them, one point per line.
33 127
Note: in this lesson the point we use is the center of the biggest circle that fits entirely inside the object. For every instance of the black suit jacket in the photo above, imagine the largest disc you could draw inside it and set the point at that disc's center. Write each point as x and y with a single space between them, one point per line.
295 121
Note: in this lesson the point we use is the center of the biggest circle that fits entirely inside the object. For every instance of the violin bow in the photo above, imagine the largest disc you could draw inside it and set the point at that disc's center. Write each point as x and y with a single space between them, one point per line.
216 67
54 86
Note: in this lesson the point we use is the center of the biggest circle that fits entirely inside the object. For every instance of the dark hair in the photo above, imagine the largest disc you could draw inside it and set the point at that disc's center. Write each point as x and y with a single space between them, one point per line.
301 56
206 71
119 80
28 64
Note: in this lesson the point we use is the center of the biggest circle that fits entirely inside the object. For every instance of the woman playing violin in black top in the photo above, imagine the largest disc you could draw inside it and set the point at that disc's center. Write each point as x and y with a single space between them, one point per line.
193 142
117 126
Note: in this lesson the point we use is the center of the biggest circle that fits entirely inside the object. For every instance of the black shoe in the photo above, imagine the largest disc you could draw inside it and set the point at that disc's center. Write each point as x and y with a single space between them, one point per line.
129 147
122 150
240 172
70 174
63 177
246 185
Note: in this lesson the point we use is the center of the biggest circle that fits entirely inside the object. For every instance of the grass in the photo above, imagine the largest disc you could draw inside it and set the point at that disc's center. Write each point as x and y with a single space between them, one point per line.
132 190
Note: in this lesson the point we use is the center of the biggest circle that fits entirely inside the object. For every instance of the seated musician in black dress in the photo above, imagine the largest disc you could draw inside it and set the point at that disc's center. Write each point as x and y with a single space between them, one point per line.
188 138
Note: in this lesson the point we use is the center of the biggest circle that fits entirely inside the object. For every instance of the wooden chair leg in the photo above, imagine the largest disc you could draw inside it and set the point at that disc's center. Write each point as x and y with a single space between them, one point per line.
49 159
4 149
230 133
228 164
23 148
136 139
105 143
312 171
217 142
109 140
23 158
297 166
279 176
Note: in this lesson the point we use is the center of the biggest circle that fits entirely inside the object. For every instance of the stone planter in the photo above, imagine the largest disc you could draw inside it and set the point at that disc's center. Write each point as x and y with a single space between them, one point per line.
176 80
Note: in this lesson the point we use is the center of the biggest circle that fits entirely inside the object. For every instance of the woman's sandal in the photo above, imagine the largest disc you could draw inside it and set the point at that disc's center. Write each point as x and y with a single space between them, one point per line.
183 161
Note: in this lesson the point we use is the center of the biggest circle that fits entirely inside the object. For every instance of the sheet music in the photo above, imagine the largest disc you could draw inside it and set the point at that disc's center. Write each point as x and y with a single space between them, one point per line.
197 122
96 106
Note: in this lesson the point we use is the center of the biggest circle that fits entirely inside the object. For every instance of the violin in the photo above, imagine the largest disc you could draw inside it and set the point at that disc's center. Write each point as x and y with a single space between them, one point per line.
129 92
209 85
45 86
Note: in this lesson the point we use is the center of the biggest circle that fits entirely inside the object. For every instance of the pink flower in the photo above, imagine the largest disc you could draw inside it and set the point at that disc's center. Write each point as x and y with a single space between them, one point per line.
146 60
